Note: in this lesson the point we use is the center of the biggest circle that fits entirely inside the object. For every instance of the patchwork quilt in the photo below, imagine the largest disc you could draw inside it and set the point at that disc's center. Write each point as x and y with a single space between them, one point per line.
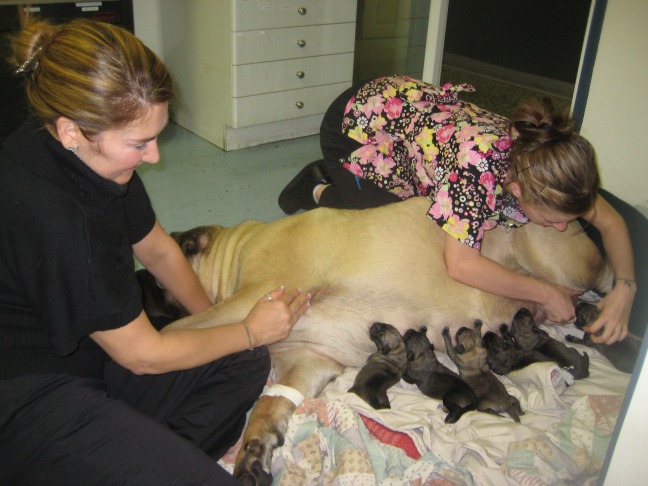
338 439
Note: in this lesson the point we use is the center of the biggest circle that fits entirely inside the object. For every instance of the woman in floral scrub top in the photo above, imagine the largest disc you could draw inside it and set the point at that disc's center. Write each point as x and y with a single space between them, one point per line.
395 137
420 140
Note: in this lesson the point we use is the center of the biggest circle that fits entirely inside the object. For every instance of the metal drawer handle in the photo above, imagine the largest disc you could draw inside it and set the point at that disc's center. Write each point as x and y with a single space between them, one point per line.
301 10
300 74
301 43
299 104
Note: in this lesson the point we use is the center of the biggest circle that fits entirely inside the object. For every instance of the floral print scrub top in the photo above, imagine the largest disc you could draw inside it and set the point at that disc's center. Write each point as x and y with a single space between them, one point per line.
419 139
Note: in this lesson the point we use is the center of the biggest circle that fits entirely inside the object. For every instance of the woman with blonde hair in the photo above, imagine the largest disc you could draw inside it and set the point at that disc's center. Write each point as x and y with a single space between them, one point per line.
395 137
90 392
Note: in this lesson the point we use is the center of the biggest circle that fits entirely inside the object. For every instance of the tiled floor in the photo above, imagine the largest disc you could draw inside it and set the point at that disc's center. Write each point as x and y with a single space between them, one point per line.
196 183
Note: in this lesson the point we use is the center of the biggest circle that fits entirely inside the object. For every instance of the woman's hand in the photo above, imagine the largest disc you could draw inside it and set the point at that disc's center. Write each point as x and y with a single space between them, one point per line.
615 307
615 314
558 303
273 317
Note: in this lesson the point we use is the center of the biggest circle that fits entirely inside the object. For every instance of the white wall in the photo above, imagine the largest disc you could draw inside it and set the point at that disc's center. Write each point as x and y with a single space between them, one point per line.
616 115
148 24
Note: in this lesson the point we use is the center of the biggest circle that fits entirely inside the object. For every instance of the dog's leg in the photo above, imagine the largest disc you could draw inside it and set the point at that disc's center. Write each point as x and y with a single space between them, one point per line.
478 327
448 344
303 371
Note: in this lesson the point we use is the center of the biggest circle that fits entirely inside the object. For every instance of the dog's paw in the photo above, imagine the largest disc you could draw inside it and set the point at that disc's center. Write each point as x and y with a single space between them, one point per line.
446 331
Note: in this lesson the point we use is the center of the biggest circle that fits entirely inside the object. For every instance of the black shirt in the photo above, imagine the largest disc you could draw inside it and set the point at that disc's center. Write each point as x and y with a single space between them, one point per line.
66 258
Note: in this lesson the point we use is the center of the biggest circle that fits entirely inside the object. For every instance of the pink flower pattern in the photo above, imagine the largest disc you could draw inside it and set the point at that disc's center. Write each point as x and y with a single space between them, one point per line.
421 139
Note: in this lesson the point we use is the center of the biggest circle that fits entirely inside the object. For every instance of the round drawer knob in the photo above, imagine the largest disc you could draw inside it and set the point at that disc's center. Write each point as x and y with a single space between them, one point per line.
300 74
299 104
301 43
301 10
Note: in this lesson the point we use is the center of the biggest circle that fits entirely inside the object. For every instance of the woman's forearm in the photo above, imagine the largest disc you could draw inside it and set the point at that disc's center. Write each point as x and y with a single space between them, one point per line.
162 256
470 267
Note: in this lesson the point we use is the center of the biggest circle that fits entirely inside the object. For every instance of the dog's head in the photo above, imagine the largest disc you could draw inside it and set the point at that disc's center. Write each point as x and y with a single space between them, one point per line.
526 334
417 345
467 340
496 344
386 338
586 313
156 300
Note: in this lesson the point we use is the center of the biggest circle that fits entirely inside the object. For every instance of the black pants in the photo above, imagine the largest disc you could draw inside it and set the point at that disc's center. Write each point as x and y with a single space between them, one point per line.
347 190
127 429
350 192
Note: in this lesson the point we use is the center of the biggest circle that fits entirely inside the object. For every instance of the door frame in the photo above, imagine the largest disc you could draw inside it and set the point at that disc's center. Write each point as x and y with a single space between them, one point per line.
435 43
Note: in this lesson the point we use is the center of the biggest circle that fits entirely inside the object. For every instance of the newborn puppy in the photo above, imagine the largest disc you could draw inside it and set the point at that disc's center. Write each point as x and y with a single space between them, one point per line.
504 355
528 336
435 380
622 354
471 359
383 369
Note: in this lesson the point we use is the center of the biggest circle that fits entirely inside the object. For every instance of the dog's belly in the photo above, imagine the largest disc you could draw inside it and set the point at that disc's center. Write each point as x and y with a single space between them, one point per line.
338 326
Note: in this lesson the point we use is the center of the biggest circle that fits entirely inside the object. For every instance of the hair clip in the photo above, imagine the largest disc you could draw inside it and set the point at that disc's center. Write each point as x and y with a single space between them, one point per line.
28 63
522 170
543 188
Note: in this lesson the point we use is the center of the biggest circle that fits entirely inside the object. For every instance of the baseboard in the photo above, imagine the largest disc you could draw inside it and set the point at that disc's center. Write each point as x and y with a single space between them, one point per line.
547 85
238 138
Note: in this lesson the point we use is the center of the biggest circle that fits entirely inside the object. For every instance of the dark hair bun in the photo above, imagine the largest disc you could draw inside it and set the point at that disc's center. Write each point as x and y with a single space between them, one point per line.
538 122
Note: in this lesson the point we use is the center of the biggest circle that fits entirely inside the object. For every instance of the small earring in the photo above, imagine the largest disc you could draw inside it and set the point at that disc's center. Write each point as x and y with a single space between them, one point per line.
73 149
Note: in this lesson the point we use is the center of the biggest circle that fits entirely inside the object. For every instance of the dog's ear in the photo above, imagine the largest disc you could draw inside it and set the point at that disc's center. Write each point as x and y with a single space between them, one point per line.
193 241
190 245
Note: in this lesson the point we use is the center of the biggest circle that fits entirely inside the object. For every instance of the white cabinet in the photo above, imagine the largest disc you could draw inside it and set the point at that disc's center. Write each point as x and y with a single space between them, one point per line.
255 71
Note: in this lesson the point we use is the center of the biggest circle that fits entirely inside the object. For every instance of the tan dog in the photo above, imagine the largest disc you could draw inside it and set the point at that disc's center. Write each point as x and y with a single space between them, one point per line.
622 354
470 356
384 368
363 266
529 336
434 379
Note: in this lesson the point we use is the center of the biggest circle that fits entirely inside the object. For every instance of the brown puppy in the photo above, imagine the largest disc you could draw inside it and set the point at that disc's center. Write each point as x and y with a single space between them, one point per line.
504 355
470 357
528 336
622 354
435 380
384 368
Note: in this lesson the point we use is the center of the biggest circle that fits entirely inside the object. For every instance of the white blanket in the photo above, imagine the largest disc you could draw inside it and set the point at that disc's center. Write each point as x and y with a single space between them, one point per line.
339 439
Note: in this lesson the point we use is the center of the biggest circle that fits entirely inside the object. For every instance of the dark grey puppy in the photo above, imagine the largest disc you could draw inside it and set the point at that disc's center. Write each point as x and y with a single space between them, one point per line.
622 354
434 379
529 336
504 355
471 359
384 368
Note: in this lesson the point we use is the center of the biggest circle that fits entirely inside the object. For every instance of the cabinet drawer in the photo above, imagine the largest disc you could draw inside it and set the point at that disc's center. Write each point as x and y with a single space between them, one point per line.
291 43
268 77
269 14
271 107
